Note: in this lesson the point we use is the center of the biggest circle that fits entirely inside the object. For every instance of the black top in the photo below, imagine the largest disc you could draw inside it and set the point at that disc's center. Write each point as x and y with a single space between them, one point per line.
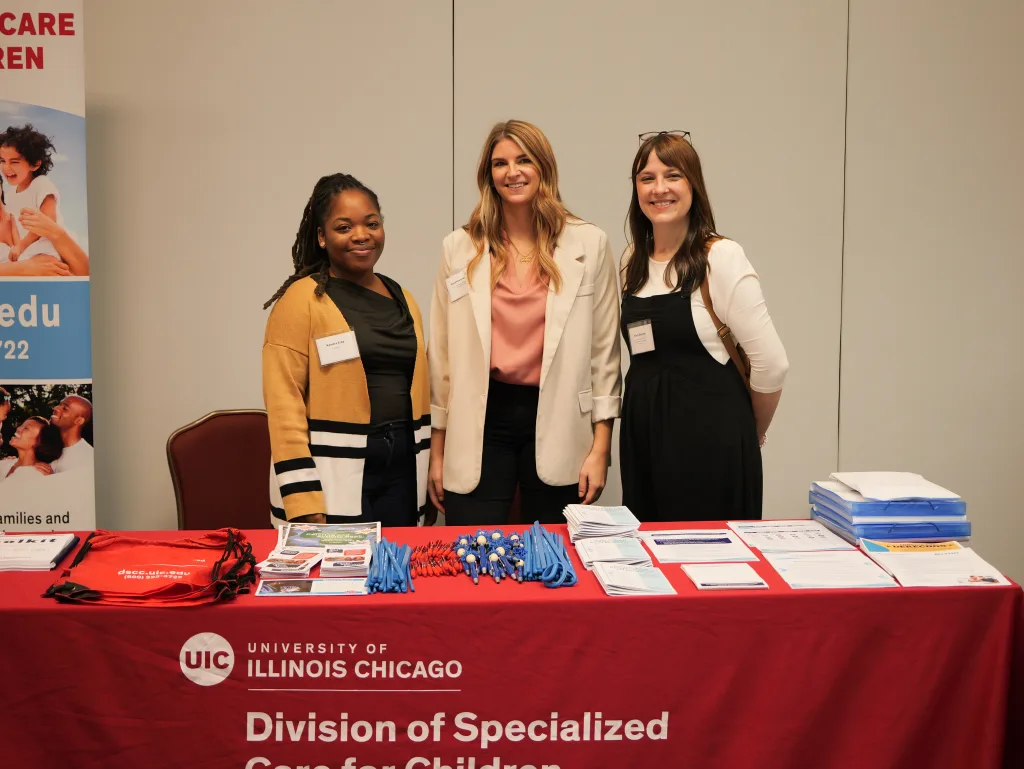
387 344
688 443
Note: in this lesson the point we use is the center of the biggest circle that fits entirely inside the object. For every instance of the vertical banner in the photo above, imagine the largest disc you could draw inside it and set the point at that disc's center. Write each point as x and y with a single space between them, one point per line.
46 453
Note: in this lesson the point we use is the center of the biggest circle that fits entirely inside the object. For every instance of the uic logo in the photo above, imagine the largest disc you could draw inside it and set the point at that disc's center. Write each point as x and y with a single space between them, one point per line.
206 659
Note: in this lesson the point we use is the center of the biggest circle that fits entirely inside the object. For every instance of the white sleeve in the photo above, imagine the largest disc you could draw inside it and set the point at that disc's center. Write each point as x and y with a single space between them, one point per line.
739 303
42 187
437 345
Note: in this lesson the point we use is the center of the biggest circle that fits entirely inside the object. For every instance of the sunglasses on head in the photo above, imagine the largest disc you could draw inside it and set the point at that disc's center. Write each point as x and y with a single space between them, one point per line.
651 134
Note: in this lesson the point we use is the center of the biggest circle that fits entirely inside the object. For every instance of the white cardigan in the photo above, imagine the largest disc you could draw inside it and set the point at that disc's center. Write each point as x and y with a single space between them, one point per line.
739 303
580 379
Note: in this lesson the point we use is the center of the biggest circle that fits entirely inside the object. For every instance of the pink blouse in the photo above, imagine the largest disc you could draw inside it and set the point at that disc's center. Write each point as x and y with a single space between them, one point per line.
517 328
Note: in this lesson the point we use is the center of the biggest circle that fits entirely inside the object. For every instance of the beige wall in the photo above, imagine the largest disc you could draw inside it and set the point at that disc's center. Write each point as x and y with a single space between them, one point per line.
209 122
764 105
931 309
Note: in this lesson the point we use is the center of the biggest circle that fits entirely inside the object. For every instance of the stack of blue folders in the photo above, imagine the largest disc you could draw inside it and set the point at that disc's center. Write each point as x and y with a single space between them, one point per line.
894 511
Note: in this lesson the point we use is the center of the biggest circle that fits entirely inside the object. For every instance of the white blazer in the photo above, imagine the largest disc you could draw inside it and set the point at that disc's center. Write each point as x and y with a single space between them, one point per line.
580 378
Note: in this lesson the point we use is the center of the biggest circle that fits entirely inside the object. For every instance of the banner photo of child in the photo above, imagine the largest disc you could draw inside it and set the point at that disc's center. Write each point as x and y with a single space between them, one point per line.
43 222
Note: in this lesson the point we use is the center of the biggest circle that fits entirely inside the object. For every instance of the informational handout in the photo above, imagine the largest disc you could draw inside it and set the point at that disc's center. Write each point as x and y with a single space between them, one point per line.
304 587
627 550
933 564
620 579
788 536
829 569
696 546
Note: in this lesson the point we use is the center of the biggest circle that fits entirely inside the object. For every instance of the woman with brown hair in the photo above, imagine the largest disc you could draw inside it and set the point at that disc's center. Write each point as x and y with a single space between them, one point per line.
524 349
693 420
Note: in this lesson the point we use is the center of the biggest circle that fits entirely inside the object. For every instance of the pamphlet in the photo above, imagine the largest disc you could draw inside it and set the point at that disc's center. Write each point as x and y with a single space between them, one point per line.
620 579
346 561
724 576
289 587
319 535
290 561
829 569
933 564
788 536
34 552
594 521
696 546
627 550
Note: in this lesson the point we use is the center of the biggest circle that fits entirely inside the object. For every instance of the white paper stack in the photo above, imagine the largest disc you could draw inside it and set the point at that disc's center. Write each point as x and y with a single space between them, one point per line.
34 552
619 579
301 587
624 550
696 546
829 569
345 561
724 576
895 486
592 521
289 562
788 536
933 564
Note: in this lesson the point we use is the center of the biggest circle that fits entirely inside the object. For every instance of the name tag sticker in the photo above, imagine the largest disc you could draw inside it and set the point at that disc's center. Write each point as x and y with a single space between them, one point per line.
641 336
337 348
457 286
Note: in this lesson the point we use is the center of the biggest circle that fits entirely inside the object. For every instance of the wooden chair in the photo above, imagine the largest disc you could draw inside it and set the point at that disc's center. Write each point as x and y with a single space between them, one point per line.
220 467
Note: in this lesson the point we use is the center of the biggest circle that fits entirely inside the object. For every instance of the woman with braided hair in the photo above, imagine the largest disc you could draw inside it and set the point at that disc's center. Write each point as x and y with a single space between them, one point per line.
345 373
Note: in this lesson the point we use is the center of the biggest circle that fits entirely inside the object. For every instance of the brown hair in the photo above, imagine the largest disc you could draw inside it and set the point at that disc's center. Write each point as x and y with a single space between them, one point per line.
485 226
690 263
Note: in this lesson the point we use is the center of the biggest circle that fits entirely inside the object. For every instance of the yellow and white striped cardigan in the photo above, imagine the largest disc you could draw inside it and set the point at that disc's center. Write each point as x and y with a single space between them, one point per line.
320 415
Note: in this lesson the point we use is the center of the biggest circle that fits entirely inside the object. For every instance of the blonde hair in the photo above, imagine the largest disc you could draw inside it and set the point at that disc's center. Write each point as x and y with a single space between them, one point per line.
485 226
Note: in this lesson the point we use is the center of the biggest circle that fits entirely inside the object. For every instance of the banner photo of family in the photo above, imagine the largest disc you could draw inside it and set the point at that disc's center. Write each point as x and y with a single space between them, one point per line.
46 456
46 465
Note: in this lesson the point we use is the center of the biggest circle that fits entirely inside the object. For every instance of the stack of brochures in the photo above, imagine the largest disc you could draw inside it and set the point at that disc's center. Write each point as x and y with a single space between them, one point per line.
345 561
289 562
34 552
902 507
624 550
724 576
620 579
592 521
933 564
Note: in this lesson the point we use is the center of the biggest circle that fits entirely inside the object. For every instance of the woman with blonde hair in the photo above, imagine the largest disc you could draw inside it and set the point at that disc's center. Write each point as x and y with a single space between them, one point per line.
523 350
695 411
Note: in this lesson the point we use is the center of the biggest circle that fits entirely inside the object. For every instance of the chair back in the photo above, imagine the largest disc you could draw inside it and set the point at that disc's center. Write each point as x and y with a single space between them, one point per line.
220 467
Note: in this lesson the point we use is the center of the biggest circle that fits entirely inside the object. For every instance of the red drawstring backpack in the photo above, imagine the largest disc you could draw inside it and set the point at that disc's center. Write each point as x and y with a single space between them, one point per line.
116 570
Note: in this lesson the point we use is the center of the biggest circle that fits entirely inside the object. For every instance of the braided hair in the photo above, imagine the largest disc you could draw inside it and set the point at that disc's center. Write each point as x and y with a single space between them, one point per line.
308 257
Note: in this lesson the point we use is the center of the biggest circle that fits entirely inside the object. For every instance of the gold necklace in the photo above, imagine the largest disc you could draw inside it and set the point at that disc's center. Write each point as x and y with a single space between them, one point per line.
524 258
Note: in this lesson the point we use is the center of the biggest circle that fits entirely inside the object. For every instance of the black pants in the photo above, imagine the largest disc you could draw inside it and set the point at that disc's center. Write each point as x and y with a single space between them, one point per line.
509 459
389 477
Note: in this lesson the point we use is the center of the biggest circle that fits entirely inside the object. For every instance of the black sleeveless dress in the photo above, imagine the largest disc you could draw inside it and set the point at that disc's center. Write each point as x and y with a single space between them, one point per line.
687 440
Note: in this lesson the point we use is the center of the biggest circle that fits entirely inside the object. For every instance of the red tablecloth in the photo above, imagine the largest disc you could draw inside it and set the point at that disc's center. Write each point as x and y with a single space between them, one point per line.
879 679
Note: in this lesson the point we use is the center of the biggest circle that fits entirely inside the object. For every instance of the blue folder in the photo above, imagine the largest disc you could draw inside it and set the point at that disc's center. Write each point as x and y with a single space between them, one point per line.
935 531
914 507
